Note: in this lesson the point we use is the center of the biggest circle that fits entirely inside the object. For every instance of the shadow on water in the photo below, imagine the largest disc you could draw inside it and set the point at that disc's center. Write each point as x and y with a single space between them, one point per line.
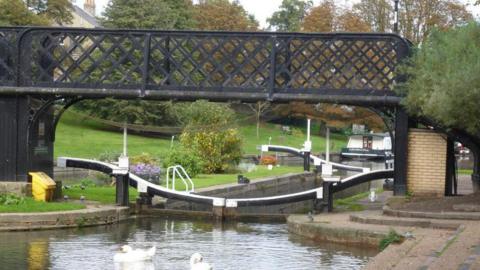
228 246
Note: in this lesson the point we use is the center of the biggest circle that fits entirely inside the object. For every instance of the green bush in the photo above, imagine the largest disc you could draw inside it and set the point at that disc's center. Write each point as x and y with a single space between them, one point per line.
109 156
189 161
392 238
11 199
144 158
211 134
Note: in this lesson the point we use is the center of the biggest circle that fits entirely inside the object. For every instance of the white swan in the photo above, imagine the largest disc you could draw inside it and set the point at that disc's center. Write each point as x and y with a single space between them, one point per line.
196 263
128 254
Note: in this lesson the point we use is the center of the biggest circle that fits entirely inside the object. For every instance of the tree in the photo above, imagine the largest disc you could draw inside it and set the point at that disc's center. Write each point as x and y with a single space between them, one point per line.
320 18
60 11
290 16
419 17
327 17
443 79
223 15
35 12
377 13
15 13
140 112
57 11
350 21
259 108
148 14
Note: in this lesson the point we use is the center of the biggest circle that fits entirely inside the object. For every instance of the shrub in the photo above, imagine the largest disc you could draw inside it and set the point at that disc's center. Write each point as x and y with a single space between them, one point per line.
87 183
11 199
268 160
296 132
392 238
218 150
211 134
187 159
109 156
143 158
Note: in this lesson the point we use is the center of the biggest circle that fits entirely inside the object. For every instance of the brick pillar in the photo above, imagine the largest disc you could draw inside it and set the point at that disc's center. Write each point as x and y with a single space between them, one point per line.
427 157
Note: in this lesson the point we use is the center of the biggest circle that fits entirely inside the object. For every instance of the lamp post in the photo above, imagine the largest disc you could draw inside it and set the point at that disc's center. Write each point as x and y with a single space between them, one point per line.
395 23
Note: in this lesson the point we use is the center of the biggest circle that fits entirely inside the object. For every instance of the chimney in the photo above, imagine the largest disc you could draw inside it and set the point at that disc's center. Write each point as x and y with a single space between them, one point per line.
89 7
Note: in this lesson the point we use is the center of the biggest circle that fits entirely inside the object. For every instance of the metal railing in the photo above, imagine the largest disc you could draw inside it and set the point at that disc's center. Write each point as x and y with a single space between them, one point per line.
226 63
179 171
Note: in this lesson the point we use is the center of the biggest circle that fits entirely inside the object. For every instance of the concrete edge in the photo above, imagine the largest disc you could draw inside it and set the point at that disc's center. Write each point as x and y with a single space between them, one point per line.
322 232
404 222
63 219
433 215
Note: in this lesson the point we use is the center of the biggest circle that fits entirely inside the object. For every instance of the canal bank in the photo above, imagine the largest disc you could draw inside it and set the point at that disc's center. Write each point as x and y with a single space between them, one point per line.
93 215
437 242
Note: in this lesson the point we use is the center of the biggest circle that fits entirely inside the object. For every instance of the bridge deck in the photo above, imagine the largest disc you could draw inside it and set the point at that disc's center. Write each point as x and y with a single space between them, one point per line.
187 65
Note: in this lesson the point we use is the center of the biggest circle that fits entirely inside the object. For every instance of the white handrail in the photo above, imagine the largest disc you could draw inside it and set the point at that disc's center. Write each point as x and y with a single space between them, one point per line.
182 173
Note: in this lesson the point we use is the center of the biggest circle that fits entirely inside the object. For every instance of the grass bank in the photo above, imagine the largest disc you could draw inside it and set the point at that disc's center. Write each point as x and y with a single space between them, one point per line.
207 180
103 194
29 205
84 138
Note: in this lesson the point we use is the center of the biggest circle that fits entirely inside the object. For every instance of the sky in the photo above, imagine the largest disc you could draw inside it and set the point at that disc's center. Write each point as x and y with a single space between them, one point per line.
262 9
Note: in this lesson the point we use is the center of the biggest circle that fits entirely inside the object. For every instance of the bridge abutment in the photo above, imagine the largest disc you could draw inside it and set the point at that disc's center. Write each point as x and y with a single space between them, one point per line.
401 154
25 139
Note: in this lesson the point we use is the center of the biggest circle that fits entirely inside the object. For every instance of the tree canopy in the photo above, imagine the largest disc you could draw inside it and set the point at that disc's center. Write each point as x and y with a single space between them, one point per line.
223 15
443 78
35 12
290 16
148 14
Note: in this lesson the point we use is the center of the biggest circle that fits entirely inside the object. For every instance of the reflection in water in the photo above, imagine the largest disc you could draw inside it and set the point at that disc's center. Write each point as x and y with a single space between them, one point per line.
228 246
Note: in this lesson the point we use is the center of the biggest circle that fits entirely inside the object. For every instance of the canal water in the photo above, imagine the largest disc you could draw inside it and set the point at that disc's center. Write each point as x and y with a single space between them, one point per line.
239 246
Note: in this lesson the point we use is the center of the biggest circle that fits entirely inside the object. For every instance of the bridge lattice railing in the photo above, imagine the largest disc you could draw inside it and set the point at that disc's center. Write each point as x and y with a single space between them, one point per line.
219 61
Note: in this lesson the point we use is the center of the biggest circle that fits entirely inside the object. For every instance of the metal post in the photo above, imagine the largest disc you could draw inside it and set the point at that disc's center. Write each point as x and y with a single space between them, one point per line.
328 195
122 181
401 155
307 148
306 161
327 150
450 172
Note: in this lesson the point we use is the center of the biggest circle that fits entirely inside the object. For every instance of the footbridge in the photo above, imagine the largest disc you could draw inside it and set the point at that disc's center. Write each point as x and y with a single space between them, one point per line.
43 71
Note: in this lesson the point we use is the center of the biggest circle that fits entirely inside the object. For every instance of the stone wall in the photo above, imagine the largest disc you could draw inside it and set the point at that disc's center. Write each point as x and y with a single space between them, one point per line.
18 188
427 157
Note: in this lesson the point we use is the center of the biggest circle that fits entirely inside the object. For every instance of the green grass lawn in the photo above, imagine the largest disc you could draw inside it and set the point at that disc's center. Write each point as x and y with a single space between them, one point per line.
267 130
77 137
80 138
30 205
465 171
103 194
206 180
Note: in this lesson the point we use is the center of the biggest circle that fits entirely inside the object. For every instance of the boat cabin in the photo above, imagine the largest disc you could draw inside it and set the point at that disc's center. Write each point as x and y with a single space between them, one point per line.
370 145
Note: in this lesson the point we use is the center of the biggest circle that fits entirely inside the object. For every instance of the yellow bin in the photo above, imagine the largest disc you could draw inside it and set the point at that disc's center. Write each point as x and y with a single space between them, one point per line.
43 186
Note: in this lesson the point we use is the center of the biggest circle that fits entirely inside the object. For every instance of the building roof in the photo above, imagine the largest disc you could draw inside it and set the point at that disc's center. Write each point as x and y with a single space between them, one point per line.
89 18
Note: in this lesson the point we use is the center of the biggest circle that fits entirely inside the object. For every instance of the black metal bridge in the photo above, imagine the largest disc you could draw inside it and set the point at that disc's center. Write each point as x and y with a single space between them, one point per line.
40 67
